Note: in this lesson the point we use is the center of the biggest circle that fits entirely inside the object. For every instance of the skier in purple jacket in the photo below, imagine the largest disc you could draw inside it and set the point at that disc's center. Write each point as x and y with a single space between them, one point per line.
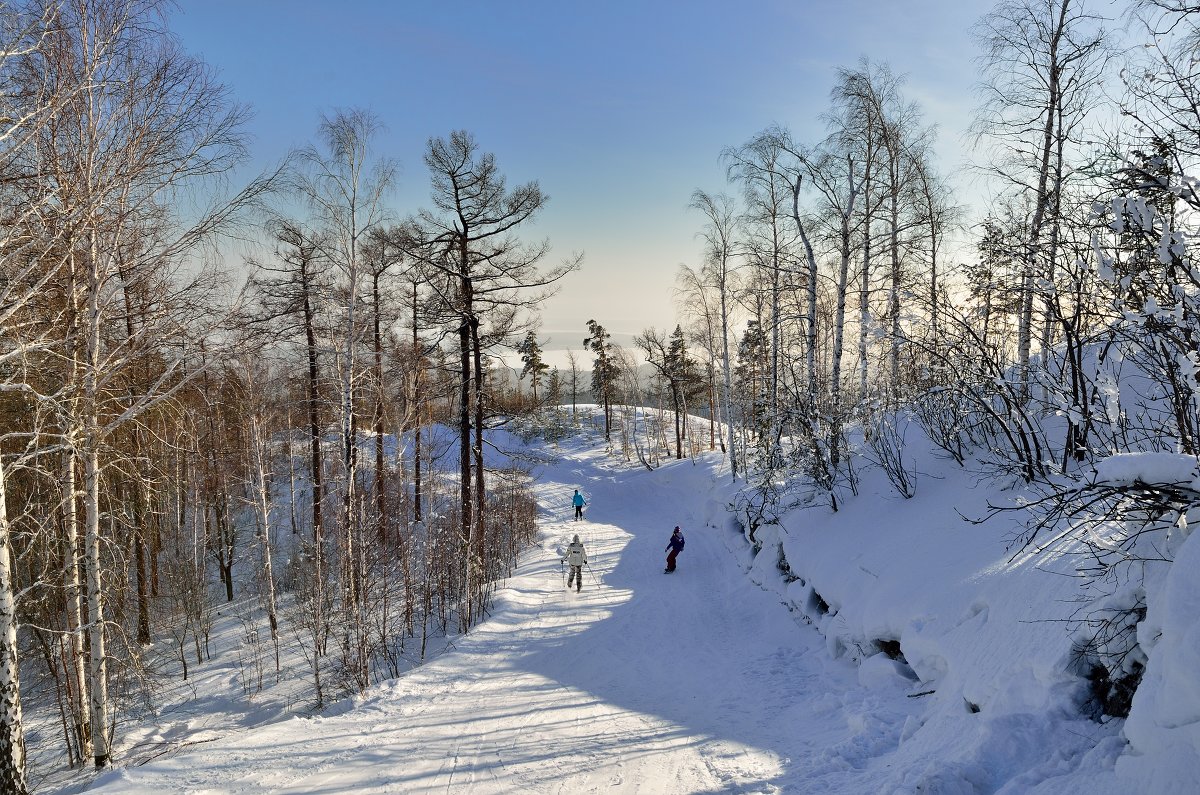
675 546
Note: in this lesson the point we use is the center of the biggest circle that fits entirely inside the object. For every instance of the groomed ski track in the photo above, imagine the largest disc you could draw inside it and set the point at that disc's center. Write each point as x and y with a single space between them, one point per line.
694 682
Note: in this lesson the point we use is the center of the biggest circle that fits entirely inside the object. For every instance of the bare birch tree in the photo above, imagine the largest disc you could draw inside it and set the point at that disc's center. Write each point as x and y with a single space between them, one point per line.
719 235
1040 60
757 166
346 189
143 122
30 263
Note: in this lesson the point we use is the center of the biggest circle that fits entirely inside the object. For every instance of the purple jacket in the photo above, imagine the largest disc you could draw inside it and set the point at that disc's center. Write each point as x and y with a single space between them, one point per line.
676 542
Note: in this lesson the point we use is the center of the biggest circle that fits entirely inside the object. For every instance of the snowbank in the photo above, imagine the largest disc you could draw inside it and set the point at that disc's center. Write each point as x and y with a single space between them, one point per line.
1163 727
1149 468
986 636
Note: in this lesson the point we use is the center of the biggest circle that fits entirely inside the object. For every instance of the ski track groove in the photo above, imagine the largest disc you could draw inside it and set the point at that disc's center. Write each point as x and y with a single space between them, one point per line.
640 683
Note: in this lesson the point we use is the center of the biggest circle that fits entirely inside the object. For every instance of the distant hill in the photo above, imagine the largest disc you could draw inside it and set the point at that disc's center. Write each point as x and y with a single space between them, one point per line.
509 376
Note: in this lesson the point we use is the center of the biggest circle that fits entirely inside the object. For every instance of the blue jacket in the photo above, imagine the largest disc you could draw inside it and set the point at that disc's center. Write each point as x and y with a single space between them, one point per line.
577 500
676 542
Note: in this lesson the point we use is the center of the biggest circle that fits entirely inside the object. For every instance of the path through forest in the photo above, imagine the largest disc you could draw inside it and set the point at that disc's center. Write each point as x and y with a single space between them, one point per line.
695 681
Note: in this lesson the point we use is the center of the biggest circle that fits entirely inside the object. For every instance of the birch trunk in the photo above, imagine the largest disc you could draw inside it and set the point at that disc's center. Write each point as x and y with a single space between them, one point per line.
12 732
811 303
98 662
1041 197
73 596
864 297
72 587
416 397
896 276
727 381
380 475
264 518
839 322
349 443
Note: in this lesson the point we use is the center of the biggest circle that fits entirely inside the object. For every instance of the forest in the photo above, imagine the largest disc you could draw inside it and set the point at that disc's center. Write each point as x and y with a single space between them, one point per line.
308 428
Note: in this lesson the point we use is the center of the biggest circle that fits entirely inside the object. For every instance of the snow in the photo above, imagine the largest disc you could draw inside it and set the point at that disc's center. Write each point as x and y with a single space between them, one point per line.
1124 468
1165 720
737 674
643 682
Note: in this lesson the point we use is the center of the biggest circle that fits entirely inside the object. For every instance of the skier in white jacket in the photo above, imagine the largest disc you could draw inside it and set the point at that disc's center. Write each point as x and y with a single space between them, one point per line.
575 558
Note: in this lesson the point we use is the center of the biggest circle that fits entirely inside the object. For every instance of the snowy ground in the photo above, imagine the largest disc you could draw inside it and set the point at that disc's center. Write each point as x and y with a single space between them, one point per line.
697 681
732 676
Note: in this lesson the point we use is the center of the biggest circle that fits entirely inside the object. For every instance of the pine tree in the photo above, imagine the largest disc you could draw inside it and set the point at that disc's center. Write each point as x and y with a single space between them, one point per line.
753 362
604 370
531 356
469 240
989 278
683 375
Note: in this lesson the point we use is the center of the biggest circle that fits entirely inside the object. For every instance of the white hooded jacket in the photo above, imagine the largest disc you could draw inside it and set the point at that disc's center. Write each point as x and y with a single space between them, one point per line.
575 554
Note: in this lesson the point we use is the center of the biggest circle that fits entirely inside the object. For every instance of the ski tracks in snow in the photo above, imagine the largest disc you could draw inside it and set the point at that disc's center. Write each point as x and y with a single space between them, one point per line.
694 682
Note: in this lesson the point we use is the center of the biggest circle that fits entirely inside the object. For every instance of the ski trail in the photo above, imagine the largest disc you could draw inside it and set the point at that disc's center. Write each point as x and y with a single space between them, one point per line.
644 682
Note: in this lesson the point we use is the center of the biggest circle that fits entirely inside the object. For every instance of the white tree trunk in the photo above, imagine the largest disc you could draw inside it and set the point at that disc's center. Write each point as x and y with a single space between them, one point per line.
12 734
896 277
776 420
839 320
98 664
264 518
73 595
727 385
864 299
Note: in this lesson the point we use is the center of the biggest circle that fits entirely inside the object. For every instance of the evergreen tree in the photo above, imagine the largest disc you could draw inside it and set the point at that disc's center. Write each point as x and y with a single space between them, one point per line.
605 370
992 280
531 356
554 388
750 374
683 374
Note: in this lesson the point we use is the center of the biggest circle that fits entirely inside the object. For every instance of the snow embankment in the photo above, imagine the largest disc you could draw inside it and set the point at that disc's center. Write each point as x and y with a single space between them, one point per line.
986 635
1163 727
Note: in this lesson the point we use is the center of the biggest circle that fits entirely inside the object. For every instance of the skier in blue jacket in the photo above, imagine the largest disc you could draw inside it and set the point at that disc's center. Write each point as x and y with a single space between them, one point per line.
578 502
675 546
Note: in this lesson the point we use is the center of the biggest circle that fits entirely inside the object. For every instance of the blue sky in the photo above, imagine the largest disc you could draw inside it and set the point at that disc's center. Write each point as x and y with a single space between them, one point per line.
618 109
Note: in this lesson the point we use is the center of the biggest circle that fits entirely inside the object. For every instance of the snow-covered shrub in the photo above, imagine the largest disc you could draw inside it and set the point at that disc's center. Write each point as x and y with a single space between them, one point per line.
986 405
887 452
755 508
944 415
1123 523
1106 651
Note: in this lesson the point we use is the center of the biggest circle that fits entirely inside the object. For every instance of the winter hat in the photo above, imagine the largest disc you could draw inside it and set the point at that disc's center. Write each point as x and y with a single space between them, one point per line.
577 538
676 528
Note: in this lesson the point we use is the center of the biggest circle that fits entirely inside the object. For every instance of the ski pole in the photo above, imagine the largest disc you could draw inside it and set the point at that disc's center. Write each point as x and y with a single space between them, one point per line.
593 576
562 572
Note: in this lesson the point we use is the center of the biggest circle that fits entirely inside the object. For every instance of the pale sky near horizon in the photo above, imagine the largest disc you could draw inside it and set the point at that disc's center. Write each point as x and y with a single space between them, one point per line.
619 109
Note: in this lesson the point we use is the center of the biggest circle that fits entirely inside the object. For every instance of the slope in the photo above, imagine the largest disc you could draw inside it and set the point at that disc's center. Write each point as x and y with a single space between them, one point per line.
693 682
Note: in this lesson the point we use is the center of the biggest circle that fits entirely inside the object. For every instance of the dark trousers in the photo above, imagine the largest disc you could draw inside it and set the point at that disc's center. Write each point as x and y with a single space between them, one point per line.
578 511
671 559
576 576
